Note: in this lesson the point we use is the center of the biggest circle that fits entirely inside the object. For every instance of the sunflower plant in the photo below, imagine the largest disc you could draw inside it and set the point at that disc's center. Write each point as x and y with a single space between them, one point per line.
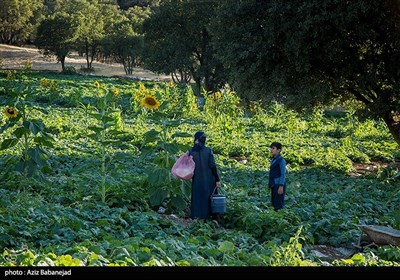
108 117
25 133
162 147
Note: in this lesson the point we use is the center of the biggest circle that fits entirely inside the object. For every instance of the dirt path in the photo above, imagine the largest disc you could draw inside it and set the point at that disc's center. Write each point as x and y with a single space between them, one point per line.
12 57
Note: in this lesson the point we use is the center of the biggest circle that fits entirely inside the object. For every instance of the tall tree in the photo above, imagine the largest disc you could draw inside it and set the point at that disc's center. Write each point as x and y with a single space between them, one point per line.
57 35
124 46
15 19
177 39
90 29
306 53
124 41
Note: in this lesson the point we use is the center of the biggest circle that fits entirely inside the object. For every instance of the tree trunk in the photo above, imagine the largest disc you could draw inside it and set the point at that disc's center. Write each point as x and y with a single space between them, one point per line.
87 56
207 84
181 77
92 55
197 89
392 120
62 60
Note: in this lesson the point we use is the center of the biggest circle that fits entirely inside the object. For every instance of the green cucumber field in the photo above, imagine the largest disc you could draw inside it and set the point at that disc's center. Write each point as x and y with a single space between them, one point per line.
85 166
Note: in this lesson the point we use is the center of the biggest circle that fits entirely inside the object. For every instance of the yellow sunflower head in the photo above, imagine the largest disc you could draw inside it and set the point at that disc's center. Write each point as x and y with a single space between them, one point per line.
11 113
96 84
115 91
53 85
150 102
43 82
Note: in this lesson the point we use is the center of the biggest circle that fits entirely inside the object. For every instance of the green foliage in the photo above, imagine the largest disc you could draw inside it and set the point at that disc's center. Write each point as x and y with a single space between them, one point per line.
56 35
125 46
17 20
306 54
368 259
178 40
290 254
108 120
69 70
388 252
162 186
25 133
90 30
61 222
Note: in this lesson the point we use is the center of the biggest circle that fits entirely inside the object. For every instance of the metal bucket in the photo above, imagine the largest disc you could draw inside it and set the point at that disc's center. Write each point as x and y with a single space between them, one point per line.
218 203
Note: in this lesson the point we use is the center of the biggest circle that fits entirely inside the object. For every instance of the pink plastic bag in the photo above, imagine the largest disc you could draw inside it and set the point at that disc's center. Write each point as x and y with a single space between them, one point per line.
184 167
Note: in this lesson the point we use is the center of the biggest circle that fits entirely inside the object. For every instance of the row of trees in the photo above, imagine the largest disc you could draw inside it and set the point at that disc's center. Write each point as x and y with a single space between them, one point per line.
96 28
303 53
20 18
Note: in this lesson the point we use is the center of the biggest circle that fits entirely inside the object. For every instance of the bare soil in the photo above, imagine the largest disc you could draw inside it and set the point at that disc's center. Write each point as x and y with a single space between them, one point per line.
15 58
372 167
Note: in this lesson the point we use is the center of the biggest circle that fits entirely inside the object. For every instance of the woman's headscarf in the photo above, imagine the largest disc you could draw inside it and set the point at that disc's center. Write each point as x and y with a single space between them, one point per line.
199 140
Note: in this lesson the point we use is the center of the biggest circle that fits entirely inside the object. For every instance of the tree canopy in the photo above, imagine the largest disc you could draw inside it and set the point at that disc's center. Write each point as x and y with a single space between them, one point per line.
16 19
57 36
307 53
90 31
178 39
124 46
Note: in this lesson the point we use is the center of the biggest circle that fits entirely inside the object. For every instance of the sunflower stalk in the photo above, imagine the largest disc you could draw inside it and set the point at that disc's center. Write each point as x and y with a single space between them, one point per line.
103 175
164 141
25 151
108 123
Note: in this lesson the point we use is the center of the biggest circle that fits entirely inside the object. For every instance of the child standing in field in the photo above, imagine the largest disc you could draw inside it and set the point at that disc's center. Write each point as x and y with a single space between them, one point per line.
277 176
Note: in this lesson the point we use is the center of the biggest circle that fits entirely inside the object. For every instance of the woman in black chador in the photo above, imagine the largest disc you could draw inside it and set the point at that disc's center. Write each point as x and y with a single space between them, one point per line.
205 178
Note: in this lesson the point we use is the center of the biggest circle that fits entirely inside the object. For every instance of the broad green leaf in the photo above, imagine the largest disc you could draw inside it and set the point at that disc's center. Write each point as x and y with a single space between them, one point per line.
212 252
144 254
171 148
359 258
150 136
108 119
97 116
96 129
157 176
8 143
182 263
35 155
182 134
20 131
7 125
93 136
44 141
68 260
157 195
35 126
179 202
186 188
227 247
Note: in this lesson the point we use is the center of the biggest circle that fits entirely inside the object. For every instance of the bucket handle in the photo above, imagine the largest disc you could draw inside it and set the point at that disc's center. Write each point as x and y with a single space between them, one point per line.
222 192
